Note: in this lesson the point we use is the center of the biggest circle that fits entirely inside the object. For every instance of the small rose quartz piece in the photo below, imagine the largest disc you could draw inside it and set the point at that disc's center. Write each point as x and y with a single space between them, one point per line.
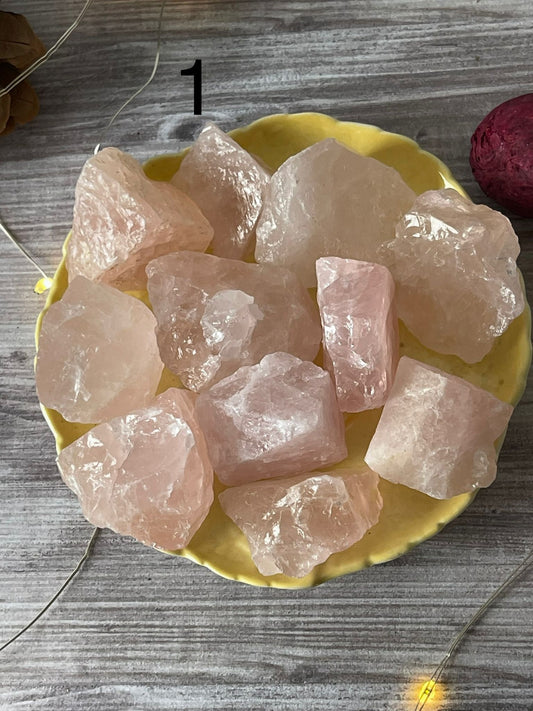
98 355
145 474
454 264
275 418
360 330
215 315
329 201
122 219
228 185
294 524
437 432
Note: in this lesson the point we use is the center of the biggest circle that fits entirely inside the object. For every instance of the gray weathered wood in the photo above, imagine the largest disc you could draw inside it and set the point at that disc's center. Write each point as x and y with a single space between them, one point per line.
139 630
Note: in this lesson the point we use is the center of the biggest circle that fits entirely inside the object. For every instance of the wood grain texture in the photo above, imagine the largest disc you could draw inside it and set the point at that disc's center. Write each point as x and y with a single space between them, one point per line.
139 630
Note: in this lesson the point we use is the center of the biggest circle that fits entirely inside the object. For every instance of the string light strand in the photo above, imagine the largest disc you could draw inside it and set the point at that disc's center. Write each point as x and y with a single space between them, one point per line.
22 249
79 566
429 686
53 49
141 88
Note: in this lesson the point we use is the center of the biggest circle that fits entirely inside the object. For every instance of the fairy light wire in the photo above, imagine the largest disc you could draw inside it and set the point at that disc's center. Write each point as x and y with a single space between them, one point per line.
432 681
53 49
141 88
11 237
79 566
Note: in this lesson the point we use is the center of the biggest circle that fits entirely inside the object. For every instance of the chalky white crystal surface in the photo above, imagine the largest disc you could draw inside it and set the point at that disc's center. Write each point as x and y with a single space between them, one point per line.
329 201
294 524
228 185
145 474
360 330
454 264
437 432
98 354
215 315
275 418
122 219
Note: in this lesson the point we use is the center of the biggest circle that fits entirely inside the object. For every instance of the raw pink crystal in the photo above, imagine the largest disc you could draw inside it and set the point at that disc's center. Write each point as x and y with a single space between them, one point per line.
228 185
294 524
360 330
98 354
437 432
146 474
276 418
122 219
454 264
215 315
329 201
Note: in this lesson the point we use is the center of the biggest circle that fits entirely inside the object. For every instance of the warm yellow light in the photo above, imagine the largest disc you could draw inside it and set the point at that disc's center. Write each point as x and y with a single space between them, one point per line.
42 285
427 690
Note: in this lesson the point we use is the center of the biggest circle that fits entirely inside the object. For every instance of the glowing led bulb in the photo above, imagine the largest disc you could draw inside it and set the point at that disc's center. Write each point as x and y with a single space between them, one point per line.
427 691
43 285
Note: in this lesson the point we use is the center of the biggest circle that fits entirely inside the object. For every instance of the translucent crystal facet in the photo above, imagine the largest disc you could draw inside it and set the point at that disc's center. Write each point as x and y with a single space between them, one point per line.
454 264
360 330
98 354
294 524
145 474
329 201
215 315
228 185
122 219
275 418
437 432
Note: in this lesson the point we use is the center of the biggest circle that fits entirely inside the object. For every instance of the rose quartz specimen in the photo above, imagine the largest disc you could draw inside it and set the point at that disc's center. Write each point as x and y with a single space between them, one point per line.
122 219
215 315
294 524
98 354
145 474
329 201
228 185
275 418
454 264
437 432
360 330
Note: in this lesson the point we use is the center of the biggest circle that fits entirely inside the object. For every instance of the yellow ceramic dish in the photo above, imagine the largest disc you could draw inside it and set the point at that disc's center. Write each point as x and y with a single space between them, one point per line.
408 517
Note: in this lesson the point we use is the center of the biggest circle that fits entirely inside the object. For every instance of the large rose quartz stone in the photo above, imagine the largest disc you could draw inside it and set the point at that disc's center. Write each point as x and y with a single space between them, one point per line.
98 355
275 418
329 201
454 264
228 185
145 474
294 524
437 432
360 330
122 219
215 315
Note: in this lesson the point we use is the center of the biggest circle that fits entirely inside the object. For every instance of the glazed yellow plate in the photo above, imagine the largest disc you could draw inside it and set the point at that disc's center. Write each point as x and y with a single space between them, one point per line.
408 517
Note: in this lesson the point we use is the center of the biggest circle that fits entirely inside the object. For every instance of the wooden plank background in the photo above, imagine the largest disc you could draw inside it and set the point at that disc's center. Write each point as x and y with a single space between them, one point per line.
139 630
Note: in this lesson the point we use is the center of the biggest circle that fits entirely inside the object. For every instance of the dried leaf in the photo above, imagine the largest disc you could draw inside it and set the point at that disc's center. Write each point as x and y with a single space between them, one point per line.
24 102
19 45
5 103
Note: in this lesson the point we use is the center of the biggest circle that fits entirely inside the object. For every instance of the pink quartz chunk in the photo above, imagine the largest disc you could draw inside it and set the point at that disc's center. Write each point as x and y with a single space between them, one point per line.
294 524
276 418
215 315
454 264
228 185
122 219
360 330
98 355
437 432
329 201
145 474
